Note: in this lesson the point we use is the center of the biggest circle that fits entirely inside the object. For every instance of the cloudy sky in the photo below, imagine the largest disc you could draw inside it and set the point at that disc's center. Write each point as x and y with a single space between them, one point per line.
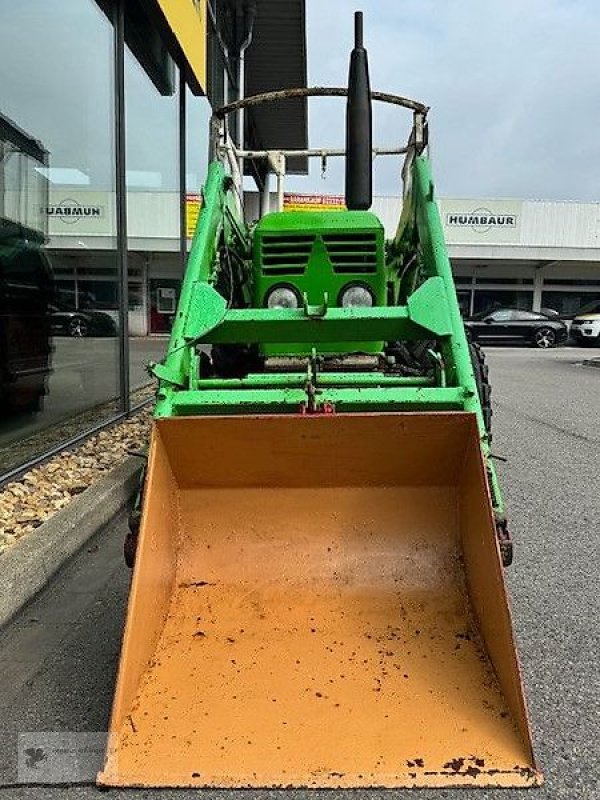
513 85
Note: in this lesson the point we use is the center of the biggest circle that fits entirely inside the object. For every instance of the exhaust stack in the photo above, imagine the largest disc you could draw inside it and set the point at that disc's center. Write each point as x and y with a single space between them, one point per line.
359 124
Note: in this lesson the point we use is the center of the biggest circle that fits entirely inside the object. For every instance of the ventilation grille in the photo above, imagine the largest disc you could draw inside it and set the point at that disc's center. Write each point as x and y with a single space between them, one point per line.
349 253
286 255
352 252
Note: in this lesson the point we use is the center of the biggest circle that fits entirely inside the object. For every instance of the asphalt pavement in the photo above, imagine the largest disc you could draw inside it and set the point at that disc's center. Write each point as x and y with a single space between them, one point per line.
58 658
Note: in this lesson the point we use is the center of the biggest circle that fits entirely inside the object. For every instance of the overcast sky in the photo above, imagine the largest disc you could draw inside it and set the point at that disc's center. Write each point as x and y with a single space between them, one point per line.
513 85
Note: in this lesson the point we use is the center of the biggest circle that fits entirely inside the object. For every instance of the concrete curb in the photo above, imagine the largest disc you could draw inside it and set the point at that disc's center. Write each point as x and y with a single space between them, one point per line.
26 567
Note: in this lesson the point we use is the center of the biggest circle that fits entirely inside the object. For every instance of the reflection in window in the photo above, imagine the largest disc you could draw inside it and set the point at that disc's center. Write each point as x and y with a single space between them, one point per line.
488 300
56 198
569 304
153 203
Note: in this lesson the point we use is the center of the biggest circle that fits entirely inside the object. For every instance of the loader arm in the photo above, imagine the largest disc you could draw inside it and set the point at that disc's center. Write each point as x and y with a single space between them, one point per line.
219 221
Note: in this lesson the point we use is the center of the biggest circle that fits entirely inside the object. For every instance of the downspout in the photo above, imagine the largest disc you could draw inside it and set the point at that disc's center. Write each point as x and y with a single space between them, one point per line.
249 17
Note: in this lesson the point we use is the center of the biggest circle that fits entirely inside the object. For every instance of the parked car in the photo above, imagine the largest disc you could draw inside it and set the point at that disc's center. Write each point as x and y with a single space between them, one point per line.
26 289
80 323
508 325
585 328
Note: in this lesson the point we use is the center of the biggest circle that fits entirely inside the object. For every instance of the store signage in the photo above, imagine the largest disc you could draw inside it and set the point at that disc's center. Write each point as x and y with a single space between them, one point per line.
70 211
313 202
481 220
79 212
475 221
193 204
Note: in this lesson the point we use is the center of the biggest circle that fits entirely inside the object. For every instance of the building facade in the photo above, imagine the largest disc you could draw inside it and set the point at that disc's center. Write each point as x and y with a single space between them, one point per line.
529 254
104 115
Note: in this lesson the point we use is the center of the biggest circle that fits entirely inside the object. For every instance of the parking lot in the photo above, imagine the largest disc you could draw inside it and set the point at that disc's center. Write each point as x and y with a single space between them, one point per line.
58 658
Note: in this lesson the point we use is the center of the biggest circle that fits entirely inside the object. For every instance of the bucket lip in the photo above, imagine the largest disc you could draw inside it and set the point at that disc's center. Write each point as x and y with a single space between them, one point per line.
342 414
467 418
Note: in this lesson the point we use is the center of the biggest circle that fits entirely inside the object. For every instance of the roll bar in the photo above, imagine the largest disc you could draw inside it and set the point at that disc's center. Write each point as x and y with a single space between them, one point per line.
222 147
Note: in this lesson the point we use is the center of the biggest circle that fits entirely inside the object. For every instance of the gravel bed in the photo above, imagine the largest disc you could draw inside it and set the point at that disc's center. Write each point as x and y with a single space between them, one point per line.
28 502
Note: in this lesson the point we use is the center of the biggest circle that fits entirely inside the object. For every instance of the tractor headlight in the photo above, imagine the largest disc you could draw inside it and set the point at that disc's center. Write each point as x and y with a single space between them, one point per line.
356 296
282 297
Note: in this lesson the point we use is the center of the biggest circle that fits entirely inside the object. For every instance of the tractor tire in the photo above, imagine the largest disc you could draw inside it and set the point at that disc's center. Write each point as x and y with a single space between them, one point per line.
482 379
411 358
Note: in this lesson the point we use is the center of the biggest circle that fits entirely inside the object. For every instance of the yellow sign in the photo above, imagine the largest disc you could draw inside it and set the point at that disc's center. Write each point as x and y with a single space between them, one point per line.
313 202
187 21
193 204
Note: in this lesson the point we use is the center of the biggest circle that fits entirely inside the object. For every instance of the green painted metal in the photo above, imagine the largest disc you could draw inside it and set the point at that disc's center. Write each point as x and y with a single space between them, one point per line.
317 255
286 400
207 311
298 379
382 323
218 217
436 262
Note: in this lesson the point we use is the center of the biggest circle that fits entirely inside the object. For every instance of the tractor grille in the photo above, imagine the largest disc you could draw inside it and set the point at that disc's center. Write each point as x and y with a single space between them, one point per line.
348 252
286 255
352 252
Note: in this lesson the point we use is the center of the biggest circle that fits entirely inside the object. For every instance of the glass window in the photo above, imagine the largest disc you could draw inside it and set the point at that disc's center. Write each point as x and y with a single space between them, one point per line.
487 300
153 211
198 111
569 304
506 281
527 315
501 316
59 364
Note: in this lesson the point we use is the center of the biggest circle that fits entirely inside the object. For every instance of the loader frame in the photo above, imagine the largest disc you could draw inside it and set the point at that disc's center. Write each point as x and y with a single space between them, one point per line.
431 311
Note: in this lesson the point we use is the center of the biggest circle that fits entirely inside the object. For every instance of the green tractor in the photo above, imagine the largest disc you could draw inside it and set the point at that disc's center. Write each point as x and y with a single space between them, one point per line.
318 596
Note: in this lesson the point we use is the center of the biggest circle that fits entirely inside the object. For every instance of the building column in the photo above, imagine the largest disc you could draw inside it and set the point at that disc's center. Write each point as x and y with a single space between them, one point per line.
538 283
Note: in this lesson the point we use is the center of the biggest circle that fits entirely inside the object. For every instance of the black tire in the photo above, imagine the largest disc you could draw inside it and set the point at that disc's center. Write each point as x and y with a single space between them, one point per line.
544 338
78 327
235 360
412 358
484 388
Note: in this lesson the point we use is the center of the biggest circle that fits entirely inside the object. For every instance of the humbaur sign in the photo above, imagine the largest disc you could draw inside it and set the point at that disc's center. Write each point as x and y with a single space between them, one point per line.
481 220
70 211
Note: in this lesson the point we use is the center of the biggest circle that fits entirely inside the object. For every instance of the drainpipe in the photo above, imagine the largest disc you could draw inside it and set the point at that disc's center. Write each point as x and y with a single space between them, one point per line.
249 17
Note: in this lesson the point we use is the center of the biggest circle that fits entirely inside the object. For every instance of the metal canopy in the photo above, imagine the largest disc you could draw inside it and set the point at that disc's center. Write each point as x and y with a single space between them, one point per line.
276 59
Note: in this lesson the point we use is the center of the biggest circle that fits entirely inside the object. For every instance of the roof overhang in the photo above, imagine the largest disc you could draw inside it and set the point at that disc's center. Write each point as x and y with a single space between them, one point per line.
276 59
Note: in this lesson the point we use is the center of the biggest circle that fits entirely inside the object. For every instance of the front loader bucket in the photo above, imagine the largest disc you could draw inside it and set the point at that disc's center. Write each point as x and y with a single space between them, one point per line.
318 601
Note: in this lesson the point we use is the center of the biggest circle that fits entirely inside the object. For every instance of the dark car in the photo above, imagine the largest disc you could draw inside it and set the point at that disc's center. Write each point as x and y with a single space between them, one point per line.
508 325
81 323
26 289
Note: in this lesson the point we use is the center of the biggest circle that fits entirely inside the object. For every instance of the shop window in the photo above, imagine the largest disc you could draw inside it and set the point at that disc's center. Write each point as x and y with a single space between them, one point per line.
57 168
153 200
569 304
198 112
490 299
504 281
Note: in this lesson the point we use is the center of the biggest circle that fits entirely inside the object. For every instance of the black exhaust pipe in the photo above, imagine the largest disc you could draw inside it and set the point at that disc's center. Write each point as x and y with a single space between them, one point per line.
359 126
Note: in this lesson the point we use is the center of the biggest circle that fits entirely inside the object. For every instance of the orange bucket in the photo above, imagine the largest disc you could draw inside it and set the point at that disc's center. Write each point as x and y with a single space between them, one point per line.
318 602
